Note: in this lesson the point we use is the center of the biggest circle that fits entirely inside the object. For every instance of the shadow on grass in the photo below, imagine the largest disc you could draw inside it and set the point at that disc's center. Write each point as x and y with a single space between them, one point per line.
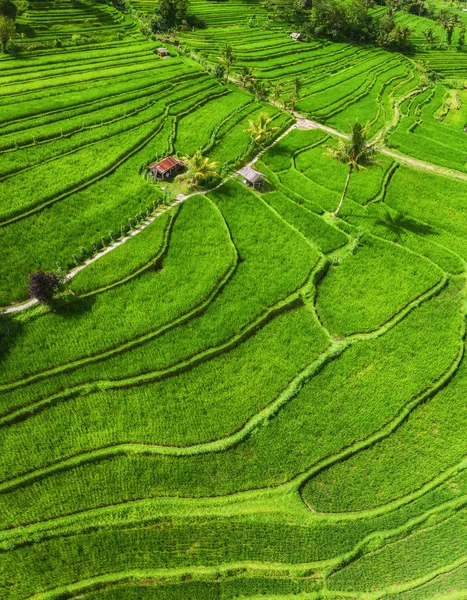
399 223
10 332
71 306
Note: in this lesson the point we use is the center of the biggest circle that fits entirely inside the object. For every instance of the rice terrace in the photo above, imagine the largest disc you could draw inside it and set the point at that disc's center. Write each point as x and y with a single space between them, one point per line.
233 299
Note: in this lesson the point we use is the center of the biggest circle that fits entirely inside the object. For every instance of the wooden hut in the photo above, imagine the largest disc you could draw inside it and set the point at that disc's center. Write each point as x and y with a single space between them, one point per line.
298 37
165 167
162 52
251 177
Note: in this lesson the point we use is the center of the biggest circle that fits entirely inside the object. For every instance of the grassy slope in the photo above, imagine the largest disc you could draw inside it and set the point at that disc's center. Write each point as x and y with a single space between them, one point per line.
277 407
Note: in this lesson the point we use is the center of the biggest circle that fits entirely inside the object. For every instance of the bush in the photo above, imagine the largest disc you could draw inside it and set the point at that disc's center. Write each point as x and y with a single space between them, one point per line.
43 286
8 9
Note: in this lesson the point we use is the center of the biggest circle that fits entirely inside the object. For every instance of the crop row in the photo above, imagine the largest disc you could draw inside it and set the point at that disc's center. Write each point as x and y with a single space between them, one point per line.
128 476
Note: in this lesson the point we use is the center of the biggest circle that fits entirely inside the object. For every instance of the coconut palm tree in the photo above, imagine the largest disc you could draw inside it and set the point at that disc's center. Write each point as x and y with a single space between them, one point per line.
356 153
246 76
292 101
260 88
297 86
261 128
277 92
199 168
429 35
228 58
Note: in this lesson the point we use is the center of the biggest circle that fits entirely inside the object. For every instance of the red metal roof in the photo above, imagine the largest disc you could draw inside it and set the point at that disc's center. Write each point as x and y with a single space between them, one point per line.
164 165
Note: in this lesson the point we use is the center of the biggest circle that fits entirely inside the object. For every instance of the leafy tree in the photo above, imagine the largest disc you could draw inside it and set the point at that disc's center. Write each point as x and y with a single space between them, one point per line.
292 11
199 168
43 286
246 76
228 58
7 31
251 21
399 38
260 129
169 14
8 9
449 32
356 153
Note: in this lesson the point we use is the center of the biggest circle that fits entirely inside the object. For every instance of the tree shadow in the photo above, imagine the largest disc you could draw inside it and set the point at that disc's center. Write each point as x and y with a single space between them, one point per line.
400 223
10 331
28 31
71 306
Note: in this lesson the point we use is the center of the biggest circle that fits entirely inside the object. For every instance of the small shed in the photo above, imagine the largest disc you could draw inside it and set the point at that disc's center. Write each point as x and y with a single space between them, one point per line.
165 167
298 37
251 176
162 52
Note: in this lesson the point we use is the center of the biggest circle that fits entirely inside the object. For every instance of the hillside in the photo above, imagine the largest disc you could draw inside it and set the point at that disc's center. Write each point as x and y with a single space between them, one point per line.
236 392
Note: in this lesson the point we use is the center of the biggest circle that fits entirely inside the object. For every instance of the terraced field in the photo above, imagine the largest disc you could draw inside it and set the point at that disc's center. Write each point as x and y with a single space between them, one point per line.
240 395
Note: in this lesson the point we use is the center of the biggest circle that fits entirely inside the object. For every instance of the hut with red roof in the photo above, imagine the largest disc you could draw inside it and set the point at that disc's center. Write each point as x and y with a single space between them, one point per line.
165 167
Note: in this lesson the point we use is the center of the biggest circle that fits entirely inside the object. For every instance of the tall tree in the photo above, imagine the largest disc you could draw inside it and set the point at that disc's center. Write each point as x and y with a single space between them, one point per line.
246 76
292 11
199 168
461 39
228 58
260 89
297 86
277 93
429 35
7 31
260 129
356 153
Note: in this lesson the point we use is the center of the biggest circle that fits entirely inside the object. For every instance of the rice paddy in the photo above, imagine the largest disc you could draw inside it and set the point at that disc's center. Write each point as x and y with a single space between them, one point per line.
239 393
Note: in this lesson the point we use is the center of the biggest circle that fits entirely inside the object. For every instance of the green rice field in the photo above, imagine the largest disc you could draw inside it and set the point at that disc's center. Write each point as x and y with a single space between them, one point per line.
236 393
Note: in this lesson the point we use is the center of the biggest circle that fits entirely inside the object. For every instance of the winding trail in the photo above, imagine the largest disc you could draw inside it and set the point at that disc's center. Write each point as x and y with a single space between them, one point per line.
16 307
302 123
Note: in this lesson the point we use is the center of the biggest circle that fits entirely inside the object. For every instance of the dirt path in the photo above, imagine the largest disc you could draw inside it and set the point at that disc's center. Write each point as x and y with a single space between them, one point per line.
303 123
179 199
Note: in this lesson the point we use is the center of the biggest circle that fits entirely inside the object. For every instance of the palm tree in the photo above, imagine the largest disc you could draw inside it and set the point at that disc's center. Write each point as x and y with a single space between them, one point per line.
261 128
297 86
295 95
199 167
246 76
260 89
444 17
292 100
355 152
277 92
228 58
429 35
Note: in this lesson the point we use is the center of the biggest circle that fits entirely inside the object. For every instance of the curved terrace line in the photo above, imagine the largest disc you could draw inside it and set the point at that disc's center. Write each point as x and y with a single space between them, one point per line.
181 198
235 569
222 444
197 309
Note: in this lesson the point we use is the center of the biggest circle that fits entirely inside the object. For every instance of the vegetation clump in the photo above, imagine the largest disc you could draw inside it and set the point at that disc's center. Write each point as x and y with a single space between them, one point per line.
43 285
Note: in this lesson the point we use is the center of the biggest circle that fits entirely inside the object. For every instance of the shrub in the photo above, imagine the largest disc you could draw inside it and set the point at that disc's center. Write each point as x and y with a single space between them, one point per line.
43 286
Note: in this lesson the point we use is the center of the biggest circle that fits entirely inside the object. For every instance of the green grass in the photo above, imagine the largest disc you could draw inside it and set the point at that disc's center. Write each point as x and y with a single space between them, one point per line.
145 250
248 397
372 283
